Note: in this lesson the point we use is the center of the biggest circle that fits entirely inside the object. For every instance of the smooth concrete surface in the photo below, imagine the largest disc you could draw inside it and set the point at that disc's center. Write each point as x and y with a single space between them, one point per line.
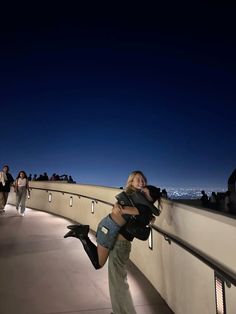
43 273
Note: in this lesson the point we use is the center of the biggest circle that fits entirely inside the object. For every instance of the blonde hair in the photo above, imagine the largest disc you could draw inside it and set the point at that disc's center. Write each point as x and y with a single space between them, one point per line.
129 188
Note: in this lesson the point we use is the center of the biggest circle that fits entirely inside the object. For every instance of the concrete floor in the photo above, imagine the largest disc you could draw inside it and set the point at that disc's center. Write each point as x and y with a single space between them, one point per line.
43 273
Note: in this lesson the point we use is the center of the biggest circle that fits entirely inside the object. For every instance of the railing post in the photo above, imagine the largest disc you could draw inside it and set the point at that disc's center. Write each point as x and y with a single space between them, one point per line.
220 294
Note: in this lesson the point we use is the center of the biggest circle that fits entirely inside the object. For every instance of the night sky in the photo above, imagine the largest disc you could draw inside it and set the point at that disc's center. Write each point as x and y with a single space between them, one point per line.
98 92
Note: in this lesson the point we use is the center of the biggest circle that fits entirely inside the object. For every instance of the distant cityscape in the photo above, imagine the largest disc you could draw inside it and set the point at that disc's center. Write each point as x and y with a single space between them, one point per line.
193 193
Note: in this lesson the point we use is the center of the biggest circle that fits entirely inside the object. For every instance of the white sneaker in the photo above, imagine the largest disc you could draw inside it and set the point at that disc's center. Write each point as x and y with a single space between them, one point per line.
22 214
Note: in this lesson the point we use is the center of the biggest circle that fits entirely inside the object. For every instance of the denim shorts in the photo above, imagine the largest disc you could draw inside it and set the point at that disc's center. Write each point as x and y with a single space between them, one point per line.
107 232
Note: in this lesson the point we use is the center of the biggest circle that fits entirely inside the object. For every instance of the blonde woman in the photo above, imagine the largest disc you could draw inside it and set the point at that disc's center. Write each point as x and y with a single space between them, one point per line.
121 299
115 227
21 188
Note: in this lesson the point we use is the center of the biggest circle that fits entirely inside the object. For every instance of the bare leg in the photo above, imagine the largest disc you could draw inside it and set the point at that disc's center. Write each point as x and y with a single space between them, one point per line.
103 254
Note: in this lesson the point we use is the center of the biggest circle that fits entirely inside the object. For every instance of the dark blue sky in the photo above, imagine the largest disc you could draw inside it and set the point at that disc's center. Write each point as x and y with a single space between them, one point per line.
99 93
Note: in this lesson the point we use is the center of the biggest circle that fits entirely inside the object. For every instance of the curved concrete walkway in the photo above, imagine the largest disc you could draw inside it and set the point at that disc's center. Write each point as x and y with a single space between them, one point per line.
43 273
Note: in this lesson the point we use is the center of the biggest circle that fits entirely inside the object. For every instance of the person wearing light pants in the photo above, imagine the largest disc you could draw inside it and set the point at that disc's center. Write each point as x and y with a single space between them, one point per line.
21 188
121 299
120 296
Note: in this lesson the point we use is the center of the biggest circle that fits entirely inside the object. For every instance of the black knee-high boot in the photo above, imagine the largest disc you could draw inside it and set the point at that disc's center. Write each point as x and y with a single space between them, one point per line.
91 250
81 232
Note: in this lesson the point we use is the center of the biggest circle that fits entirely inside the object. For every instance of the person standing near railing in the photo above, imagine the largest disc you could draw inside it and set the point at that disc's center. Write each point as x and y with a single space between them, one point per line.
114 236
204 199
232 181
21 188
121 299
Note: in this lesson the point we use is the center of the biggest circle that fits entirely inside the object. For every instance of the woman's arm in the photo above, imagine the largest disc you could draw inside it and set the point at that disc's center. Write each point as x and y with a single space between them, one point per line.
15 185
130 210
118 211
27 186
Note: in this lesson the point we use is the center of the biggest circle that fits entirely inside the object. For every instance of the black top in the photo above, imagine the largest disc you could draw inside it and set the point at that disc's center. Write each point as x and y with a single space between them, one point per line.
146 210
232 178
145 216
134 198
7 186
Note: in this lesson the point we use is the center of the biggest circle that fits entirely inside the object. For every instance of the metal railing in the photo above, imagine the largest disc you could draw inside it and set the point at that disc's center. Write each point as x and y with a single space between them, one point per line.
228 276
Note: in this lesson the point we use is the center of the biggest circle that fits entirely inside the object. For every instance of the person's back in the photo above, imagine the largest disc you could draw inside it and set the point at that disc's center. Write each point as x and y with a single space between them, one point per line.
232 181
45 177
213 201
70 180
204 199
227 202
233 203
34 177
164 193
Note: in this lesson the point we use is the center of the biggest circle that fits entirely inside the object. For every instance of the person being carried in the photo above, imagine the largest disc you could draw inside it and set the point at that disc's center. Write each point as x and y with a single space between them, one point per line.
133 212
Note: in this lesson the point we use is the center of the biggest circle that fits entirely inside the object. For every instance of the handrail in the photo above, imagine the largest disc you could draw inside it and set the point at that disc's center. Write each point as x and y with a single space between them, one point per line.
227 274
77 194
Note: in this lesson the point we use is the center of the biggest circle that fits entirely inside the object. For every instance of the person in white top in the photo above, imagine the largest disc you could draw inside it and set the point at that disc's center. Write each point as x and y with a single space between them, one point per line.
21 188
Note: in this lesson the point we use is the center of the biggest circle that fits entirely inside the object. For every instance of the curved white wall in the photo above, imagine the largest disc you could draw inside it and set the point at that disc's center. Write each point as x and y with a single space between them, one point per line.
184 282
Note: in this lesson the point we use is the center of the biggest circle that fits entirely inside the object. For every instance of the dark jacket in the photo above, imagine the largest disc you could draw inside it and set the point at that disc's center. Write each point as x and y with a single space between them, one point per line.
7 186
136 226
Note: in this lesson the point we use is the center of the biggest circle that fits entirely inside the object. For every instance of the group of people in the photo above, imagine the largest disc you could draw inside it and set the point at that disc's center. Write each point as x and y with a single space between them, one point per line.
21 187
54 177
130 218
218 201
